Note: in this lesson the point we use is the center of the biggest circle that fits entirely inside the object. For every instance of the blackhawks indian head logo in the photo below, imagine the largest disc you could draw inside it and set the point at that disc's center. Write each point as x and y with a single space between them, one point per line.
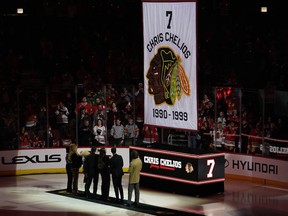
167 78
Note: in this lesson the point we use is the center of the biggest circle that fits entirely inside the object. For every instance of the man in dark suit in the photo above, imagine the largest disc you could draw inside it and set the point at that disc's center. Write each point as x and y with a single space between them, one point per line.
91 172
116 169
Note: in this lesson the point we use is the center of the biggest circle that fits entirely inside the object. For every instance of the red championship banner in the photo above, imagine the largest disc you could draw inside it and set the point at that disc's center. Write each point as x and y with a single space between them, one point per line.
170 72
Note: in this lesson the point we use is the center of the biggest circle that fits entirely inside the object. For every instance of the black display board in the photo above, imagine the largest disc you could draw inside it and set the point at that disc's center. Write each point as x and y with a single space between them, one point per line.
183 170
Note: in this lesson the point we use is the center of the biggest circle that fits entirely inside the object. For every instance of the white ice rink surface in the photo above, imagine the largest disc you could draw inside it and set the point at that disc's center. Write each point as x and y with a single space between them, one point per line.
27 196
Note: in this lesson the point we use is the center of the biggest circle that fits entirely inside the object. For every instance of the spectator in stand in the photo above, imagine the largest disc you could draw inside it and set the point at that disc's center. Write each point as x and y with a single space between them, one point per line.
221 118
231 105
267 126
255 139
69 102
49 137
204 133
111 95
99 132
140 89
31 123
209 110
245 132
35 141
229 134
86 134
25 141
150 135
62 119
114 108
112 115
244 116
84 104
204 104
83 116
126 96
234 117
273 131
218 137
131 132
201 119
127 112
139 106
210 121
98 110
117 134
